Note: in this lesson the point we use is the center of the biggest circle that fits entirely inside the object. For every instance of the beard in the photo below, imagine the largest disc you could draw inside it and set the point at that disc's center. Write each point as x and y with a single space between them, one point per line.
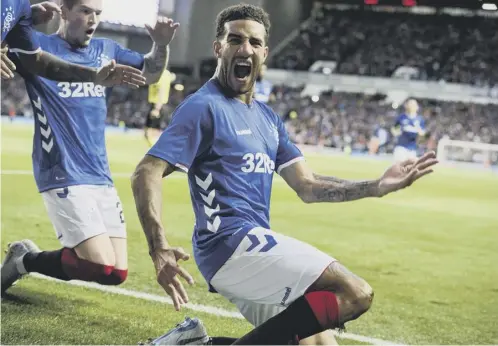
232 85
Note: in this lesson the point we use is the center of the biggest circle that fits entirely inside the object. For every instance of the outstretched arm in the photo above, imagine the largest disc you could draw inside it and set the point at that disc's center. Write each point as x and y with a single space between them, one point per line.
313 188
51 67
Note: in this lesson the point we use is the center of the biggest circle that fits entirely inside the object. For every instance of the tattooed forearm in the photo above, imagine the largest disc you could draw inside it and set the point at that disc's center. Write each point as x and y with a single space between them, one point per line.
51 67
155 63
331 189
323 191
147 191
331 179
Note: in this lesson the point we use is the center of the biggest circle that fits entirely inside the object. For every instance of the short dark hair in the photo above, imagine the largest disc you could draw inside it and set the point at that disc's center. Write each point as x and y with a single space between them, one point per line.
242 11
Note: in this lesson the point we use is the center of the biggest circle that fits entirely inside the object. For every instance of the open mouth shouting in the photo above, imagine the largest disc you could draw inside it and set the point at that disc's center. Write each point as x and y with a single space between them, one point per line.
242 70
90 31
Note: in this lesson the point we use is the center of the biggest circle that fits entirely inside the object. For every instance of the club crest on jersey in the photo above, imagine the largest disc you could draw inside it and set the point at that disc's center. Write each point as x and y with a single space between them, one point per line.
103 60
8 18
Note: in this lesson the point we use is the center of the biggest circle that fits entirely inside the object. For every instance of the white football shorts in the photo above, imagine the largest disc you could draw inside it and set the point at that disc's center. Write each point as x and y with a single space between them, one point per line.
267 272
401 154
82 212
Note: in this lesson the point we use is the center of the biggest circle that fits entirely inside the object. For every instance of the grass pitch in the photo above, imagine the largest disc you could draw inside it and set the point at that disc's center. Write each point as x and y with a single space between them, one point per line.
430 253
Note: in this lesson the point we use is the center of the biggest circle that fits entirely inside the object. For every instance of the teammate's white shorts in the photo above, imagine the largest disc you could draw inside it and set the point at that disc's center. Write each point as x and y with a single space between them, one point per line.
82 212
402 153
263 283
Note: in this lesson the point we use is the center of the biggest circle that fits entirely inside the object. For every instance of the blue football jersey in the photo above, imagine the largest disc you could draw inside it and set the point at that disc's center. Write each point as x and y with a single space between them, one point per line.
230 151
17 28
70 118
409 127
263 89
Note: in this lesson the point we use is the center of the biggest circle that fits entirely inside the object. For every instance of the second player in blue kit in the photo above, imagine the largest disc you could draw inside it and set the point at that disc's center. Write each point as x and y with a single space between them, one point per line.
70 163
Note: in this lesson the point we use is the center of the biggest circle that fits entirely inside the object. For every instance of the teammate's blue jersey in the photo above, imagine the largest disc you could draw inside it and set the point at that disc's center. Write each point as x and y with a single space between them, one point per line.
230 151
410 127
17 28
70 118
263 89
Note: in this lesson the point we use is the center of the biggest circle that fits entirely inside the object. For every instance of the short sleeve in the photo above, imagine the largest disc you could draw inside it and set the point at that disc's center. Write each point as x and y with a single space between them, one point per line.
22 37
287 153
128 57
187 136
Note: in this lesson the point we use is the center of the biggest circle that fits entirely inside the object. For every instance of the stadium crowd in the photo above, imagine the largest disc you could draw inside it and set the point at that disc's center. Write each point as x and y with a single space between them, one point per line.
337 120
441 47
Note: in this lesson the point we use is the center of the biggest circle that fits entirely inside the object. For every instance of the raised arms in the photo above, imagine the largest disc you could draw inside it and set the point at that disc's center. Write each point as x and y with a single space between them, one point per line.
157 59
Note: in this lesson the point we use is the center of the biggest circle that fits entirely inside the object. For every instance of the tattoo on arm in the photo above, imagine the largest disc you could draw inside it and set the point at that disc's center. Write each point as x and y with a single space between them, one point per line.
331 179
330 189
51 67
147 191
155 62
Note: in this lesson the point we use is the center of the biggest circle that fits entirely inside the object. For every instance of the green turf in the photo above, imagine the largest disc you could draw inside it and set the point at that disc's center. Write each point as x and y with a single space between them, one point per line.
429 252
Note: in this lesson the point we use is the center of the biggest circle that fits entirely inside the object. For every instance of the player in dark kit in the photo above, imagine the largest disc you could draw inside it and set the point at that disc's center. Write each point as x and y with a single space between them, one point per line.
230 145
70 162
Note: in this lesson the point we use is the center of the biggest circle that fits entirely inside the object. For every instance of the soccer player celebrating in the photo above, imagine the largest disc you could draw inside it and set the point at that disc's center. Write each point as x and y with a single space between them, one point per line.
18 33
69 154
230 145
408 127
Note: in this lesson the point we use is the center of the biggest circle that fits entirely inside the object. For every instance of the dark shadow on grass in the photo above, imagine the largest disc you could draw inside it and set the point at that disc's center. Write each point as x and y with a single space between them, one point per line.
15 299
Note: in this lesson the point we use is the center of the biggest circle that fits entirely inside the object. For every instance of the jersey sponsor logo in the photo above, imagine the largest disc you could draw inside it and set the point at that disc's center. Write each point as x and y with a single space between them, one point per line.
209 208
79 89
258 163
45 131
8 18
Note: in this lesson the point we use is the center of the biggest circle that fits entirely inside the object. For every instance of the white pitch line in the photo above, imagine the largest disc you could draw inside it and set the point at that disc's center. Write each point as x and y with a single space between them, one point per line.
195 307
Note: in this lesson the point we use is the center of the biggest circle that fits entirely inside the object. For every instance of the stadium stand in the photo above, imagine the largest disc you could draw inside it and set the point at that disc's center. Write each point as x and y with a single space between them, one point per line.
442 47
